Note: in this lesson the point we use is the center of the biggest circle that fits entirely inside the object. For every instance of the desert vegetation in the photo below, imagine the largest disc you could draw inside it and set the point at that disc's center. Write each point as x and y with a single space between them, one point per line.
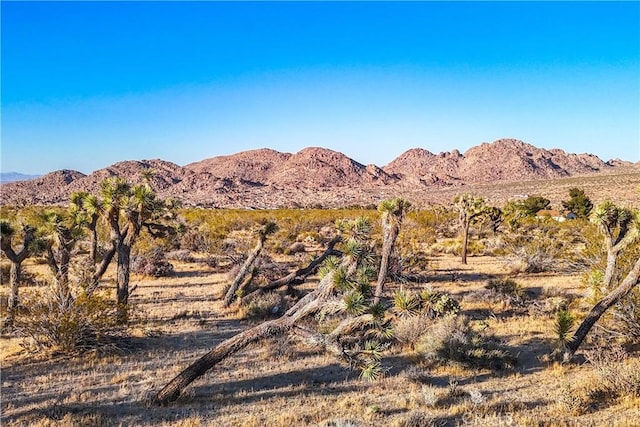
122 308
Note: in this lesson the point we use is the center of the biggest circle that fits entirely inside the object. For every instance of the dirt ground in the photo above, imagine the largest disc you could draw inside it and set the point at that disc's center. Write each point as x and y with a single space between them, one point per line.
285 383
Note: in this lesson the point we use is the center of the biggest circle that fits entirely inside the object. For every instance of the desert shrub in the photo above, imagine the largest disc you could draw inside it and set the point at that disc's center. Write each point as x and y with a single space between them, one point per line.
88 322
619 375
438 304
452 340
527 255
507 288
151 266
264 306
183 255
408 330
152 263
195 240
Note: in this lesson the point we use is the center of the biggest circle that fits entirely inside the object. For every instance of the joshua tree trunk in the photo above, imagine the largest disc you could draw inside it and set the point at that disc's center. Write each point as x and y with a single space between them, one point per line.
93 247
393 212
309 304
122 279
612 259
390 231
465 241
15 274
231 292
630 281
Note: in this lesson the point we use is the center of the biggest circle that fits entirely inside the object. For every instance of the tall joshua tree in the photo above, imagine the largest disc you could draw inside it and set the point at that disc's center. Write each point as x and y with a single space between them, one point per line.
16 256
127 209
470 209
264 231
393 212
620 228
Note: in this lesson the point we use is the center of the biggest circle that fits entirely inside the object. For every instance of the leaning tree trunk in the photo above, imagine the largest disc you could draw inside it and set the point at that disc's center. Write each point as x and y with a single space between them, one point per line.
391 231
102 268
231 292
612 258
309 304
629 282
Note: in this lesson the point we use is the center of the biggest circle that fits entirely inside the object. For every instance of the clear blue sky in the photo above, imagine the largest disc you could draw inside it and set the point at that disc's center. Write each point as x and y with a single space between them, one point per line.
87 84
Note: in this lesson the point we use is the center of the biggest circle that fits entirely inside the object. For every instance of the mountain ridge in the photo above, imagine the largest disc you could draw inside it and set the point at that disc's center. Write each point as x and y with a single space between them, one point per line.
267 178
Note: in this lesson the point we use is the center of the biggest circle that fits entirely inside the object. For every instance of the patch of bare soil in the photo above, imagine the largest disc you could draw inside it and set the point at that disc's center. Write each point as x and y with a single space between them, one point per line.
284 383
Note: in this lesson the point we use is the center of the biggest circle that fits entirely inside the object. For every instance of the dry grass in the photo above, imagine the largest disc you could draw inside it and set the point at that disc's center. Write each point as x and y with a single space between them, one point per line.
284 383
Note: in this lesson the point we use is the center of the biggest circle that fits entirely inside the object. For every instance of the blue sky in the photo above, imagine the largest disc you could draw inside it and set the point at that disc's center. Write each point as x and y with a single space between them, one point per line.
87 84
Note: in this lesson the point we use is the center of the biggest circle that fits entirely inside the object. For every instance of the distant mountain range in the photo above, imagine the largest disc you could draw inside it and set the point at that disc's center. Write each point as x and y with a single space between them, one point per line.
314 176
15 176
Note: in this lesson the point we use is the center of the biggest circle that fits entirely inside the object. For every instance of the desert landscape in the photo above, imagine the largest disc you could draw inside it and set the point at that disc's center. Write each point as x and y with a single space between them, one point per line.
317 312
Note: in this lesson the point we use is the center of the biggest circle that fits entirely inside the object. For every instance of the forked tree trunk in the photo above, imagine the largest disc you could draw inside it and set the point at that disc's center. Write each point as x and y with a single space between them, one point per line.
231 292
308 305
102 268
630 281
15 271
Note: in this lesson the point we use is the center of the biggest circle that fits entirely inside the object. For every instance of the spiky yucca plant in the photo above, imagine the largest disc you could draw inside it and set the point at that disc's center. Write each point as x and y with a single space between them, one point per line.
563 326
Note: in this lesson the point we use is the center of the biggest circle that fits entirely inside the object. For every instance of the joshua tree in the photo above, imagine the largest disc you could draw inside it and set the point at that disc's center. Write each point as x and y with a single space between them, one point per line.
16 256
88 207
127 210
620 228
494 217
63 231
393 212
470 209
263 232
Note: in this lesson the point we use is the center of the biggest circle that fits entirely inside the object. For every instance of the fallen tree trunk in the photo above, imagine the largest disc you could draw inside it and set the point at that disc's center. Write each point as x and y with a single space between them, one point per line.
299 276
309 304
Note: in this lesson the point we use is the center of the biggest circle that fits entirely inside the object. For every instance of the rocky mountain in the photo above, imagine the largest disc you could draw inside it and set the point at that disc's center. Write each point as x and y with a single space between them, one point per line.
502 160
267 178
